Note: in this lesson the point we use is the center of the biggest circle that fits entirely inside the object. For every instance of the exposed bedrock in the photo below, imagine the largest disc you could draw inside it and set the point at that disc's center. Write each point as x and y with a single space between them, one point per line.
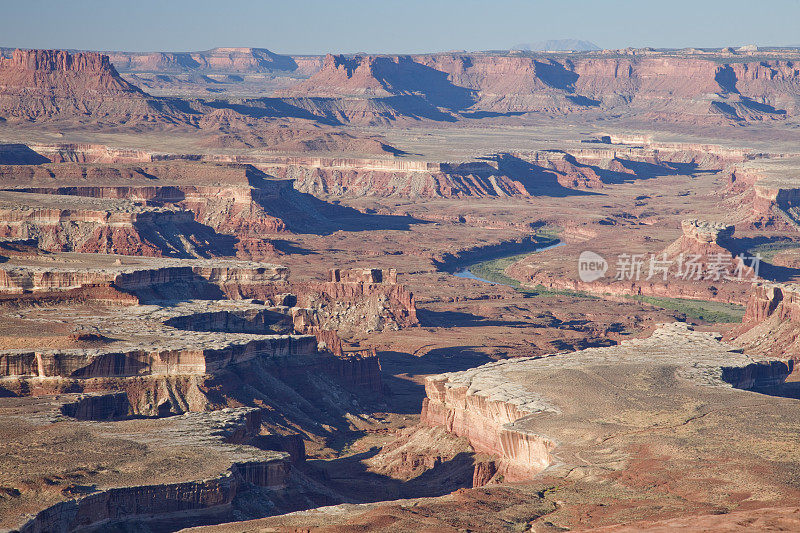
230 278
359 300
705 232
49 84
708 242
235 209
440 86
210 500
254 201
512 409
153 392
354 300
145 232
496 175
256 321
236 383
87 153
231 210
216 60
771 324
769 188
216 209
488 425
143 362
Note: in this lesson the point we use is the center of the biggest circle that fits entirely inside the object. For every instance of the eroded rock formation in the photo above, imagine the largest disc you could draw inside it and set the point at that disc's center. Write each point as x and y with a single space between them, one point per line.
511 408
157 495
709 243
771 325
700 91
47 84
359 300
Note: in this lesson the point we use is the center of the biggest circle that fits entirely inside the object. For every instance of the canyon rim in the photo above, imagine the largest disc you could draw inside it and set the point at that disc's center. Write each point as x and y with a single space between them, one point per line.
543 287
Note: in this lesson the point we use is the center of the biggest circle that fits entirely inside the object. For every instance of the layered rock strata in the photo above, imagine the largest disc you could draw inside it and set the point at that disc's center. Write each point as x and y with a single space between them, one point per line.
362 300
767 189
771 324
206 488
233 278
708 243
675 89
49 84
175 357
512 408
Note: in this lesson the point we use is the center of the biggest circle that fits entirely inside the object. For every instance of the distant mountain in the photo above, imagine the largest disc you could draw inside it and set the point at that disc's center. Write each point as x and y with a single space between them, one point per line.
558 45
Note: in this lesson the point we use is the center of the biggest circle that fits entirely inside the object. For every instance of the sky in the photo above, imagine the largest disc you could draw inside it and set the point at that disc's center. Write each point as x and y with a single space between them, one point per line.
392 26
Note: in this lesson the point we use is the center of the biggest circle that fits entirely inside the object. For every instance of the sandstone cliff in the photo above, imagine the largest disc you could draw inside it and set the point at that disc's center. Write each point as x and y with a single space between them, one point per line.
158 496
768 188
216 60
48 84
512 408
709 243
674 89
771 325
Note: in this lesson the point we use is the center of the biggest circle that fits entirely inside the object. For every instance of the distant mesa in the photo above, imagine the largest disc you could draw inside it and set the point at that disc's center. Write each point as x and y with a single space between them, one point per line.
558 45
47 84
219 60
382 89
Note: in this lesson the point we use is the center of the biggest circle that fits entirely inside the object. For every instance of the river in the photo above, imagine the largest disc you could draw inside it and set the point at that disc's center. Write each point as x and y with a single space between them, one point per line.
467 273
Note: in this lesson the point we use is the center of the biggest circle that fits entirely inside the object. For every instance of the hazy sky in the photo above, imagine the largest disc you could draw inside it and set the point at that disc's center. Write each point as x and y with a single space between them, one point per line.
319 26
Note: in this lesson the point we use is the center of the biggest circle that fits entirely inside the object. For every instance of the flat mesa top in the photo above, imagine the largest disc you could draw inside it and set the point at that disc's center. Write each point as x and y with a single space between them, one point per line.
670 395
697 355
40 443
777 172
113 263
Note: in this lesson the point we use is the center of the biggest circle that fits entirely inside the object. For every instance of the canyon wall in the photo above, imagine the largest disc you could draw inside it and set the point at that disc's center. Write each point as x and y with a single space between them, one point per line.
149 232
675 89
771 325
362 300
232 279
48 84
488 424
143 362
768 188
217 60
250 189
160 504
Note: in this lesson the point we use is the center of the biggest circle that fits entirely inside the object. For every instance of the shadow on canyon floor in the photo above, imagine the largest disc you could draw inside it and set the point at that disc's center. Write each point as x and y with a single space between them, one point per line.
350 477
20 154
305 213
290 247
191 287
404 373
449 319
536 180
187 239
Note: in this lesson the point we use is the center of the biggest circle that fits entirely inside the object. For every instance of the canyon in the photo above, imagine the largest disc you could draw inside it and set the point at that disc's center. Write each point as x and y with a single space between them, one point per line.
243 290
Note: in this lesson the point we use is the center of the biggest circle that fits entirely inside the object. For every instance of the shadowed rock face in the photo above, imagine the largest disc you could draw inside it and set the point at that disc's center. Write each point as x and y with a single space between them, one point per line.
707 240
173 354
657 87
360 300
151 384
100 75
